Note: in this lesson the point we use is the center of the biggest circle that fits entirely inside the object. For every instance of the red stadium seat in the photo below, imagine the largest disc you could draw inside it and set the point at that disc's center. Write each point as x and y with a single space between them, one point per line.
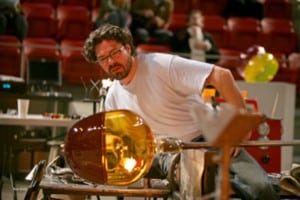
85 3
74 22
216 25
94 13
243 32
294 67
10 56
41 19
74 66
182 7
97 3
284 73
53 3
178 21
278 9
278 35
230 59
209 7
146 48
39 49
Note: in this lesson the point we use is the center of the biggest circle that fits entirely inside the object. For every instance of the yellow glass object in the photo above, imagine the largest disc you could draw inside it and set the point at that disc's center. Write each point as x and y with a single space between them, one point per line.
261 68
115 147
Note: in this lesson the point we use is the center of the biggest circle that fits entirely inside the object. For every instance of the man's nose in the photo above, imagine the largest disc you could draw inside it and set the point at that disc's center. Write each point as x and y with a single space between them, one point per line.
109 59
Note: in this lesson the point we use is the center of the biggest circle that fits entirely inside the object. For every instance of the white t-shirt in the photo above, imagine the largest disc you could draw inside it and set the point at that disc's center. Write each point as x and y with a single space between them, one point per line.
162 92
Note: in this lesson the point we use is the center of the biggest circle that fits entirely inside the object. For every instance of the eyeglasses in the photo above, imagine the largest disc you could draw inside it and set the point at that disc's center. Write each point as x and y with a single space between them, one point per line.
112 55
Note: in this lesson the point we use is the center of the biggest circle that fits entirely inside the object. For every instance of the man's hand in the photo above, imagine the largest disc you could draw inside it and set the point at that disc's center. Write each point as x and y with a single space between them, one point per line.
234 151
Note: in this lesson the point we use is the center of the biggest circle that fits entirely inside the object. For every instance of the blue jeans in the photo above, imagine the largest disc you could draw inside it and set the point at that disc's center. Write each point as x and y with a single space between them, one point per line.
248 179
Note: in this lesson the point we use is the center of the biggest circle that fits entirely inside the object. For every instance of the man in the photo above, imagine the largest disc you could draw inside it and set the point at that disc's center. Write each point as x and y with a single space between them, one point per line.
162 88
115 12
12 19
149 19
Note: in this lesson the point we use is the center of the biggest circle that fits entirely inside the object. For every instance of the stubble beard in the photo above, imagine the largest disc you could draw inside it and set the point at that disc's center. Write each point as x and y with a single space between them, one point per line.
121 74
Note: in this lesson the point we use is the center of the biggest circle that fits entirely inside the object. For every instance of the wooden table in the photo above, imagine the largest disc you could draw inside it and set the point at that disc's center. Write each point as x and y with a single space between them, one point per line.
53 185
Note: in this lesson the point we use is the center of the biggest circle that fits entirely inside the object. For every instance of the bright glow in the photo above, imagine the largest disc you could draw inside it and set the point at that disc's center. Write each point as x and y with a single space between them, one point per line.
106 83
129 164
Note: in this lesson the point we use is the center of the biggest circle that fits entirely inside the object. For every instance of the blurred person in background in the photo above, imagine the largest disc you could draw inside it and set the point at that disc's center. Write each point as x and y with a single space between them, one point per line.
115 12
149 18
12 19
194 40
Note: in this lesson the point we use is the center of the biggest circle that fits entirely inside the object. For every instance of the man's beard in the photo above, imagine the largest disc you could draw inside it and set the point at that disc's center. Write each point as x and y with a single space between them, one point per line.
122 74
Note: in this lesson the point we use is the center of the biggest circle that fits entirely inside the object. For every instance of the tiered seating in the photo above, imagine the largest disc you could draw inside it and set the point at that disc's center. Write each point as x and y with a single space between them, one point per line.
278 35
216 25
279 38
145 48
40 49
230 59
294 67
10 55
281 9
243 32
61 20
209 7
177 22
73 22
74 66
86 3
41 19
182 7
54 3
94 15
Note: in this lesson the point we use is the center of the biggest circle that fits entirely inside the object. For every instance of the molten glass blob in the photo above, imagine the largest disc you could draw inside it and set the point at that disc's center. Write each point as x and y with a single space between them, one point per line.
115 147
258 65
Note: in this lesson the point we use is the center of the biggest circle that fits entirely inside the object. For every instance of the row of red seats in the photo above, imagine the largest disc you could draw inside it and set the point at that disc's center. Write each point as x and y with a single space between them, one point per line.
49 26
89 4
64 22
15 56
74 22
75 68
276 35
272 8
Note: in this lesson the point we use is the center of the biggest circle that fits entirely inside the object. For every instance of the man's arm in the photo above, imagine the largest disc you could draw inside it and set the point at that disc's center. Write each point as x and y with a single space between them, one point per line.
225 84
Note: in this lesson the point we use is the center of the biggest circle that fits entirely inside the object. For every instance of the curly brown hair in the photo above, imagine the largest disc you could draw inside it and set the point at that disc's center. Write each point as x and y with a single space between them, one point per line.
106 32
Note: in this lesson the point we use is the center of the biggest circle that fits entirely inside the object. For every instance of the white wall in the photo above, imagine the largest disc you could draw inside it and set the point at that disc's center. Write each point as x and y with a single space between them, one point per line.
267 94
